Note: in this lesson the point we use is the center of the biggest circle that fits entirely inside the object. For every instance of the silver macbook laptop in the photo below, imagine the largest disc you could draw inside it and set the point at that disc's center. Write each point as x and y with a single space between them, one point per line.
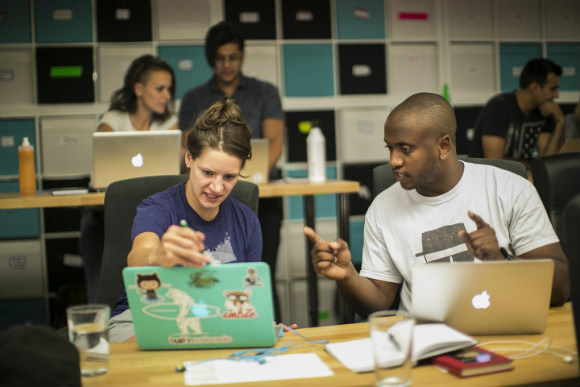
124 155
487 298
256 169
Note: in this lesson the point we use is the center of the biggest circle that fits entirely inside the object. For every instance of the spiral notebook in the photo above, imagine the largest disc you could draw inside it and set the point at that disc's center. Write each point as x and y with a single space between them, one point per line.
216 306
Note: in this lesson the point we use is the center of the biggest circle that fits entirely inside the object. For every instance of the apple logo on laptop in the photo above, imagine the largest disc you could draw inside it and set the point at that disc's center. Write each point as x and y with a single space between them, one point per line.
481 300
258 177
137 160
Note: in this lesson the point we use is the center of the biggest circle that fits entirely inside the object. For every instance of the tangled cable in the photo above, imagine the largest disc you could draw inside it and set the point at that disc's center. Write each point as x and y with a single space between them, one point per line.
258 355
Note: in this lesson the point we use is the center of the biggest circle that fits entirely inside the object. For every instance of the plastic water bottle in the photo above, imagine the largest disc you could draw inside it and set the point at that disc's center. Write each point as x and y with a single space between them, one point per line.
316 155
26 173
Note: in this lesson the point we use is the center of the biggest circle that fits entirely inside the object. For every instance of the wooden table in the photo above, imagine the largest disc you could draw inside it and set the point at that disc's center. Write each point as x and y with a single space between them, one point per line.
129 366
276 189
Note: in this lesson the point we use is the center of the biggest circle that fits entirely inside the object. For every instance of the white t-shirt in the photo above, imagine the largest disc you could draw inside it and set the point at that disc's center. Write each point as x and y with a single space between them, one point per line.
404 228
120 122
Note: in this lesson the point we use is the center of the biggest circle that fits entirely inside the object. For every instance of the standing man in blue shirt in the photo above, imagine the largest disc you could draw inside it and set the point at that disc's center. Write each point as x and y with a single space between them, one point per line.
261 109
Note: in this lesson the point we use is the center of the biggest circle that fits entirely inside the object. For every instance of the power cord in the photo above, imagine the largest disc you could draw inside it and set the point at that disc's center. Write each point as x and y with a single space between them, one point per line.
258 355
543 346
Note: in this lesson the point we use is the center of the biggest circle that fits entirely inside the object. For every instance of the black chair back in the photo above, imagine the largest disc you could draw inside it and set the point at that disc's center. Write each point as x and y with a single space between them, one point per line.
557 180
572 248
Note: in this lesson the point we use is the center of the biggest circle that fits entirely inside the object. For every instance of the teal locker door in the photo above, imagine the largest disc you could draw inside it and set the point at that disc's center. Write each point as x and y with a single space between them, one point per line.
18 223
356 240
63 21
308 70
360 19
15 24
189 65
567 55
324 205
512 59
11 133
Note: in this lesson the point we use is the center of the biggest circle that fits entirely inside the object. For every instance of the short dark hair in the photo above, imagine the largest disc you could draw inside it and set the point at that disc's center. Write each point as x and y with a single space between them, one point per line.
430 108
537 70
125 100
218 35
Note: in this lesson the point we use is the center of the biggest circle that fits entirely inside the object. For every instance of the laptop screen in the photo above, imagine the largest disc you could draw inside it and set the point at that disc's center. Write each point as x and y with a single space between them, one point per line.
490 298
124 155
256 169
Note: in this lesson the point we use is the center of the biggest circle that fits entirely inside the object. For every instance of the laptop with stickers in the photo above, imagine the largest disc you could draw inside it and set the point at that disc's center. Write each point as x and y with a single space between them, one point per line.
124 155
216 306
485 298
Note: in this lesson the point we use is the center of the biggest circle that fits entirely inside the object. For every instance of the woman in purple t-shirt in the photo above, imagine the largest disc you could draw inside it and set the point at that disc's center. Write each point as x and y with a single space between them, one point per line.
220 228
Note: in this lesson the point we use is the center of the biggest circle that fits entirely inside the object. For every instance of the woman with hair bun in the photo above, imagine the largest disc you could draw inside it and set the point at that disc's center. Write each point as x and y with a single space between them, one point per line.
217 148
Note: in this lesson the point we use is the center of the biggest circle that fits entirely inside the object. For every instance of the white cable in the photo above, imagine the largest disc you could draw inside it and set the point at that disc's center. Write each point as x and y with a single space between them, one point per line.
542 346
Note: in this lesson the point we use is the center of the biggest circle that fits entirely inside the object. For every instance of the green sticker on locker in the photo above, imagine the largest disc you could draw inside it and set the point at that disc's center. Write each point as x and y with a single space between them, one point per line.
66 71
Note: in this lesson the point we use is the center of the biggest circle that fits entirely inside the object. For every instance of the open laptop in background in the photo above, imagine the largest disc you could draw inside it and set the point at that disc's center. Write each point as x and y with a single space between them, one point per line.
216 306
124 155
487 298
256 169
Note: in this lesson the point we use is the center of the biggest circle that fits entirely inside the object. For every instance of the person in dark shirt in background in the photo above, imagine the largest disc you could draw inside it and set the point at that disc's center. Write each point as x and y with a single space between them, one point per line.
525 123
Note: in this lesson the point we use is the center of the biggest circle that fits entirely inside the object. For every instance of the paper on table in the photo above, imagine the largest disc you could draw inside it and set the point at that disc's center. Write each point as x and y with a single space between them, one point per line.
292 366
428 340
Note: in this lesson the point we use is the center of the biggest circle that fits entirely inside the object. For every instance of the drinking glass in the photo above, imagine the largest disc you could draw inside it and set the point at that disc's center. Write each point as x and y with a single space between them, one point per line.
88 330
392 341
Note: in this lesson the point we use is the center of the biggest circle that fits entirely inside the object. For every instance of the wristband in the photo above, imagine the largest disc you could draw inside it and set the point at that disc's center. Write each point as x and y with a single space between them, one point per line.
507 256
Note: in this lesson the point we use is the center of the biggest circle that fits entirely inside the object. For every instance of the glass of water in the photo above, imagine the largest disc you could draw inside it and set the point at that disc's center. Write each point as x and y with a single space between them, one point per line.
88 330
392 341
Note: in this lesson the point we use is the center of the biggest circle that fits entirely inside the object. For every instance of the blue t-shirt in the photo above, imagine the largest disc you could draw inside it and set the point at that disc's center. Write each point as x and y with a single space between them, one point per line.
258 100
234 235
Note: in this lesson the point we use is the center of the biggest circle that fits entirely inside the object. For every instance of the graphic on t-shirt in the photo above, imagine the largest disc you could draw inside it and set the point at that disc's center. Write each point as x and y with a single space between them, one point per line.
521 140
443 245
223 252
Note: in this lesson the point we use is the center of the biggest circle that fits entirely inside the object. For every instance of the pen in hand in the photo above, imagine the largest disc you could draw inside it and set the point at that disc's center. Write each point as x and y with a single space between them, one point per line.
183 223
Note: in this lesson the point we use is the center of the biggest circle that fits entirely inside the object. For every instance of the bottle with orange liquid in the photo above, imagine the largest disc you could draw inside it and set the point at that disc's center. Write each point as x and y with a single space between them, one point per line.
27 175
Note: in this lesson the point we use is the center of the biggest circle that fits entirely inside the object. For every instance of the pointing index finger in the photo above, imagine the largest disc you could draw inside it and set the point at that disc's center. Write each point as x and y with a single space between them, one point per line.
479 222
312 235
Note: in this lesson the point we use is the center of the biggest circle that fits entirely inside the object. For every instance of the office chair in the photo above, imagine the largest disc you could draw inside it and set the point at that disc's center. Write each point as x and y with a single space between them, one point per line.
121 201
383 176
571 224
557 180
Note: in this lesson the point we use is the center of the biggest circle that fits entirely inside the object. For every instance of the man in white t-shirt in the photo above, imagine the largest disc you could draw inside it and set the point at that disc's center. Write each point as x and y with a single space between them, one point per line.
442 209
